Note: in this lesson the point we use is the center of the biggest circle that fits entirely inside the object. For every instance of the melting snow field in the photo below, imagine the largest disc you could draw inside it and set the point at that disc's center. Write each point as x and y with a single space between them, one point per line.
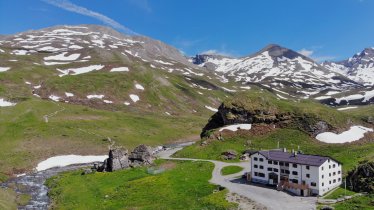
134 98
2 69
62 57
119 69
95 96
4 103
81 70
345 108
237 127
211 108
353 134
65 160
139 87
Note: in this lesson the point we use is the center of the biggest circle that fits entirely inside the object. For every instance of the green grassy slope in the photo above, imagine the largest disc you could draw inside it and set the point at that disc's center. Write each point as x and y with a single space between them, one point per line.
348 154
184 186
26 138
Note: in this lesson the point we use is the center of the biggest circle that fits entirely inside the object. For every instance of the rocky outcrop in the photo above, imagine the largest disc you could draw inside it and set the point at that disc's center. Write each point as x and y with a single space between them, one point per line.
236 115
142 155
119 158
361 179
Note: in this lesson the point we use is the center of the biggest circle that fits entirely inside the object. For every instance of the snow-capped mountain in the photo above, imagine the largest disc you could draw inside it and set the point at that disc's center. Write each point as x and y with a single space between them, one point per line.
278 68
359 68
74 44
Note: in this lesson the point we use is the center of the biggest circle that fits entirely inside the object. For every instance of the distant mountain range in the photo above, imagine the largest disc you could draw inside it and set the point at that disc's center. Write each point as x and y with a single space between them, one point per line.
45 57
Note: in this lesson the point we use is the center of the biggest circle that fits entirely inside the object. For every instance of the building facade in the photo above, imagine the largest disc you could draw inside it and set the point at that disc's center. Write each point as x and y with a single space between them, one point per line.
300 174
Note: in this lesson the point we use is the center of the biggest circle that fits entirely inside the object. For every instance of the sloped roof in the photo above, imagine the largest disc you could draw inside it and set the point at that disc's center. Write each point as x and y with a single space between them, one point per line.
312 160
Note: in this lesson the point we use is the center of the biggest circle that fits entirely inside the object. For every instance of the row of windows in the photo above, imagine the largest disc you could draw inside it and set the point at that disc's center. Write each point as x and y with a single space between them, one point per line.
333 181
259 174
280 163
333 173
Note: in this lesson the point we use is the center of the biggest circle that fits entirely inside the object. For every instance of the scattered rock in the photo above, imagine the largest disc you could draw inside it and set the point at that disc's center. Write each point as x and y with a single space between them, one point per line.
119 158
87 171
142 155
203 143
229 155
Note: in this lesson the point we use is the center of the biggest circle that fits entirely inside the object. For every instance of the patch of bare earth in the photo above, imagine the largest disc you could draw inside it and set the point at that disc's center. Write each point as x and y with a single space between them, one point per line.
244 202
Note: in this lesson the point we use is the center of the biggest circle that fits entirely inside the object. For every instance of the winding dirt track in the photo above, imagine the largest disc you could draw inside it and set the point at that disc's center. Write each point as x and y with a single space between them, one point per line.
270 198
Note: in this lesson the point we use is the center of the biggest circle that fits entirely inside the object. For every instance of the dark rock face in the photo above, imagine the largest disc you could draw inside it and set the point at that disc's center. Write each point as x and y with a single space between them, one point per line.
142 154
229 116
361 179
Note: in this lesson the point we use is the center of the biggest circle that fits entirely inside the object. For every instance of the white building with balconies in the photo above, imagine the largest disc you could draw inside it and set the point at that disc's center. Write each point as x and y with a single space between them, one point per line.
298 173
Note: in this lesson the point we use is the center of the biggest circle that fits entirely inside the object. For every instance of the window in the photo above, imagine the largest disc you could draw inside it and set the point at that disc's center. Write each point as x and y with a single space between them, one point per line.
270 162
270 169
328 160
329 166
330 174
261 159
294 181
261 167
313 184
255 158
287 164
287 171
275 162
261 174
294 172
323 184
275 170
334 173
338 172
329 182
256 174
255 166
339 179
294 165
307 167
282 171
281 163
334 181
322 168
333 165
323 176
307 175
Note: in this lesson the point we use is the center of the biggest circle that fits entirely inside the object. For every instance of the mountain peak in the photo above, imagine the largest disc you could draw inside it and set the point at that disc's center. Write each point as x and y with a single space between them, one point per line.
276 50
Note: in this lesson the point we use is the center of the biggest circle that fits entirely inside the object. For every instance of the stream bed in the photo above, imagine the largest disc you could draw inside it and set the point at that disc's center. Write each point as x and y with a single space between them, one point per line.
33 185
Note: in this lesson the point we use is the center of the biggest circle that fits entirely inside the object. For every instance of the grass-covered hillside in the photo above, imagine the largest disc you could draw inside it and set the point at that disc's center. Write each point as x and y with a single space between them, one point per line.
183 185
26 138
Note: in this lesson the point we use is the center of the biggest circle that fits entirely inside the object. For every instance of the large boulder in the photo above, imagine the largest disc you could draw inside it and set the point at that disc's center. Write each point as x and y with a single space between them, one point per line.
118 159
361 179
142 155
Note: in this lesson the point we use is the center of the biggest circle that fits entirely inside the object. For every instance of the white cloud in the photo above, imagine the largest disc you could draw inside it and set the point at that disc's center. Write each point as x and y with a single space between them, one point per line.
306 52
318 58
67 5
217 52
142 4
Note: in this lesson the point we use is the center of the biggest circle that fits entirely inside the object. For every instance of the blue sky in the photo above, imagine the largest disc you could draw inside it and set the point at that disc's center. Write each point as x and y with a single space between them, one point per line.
322 29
